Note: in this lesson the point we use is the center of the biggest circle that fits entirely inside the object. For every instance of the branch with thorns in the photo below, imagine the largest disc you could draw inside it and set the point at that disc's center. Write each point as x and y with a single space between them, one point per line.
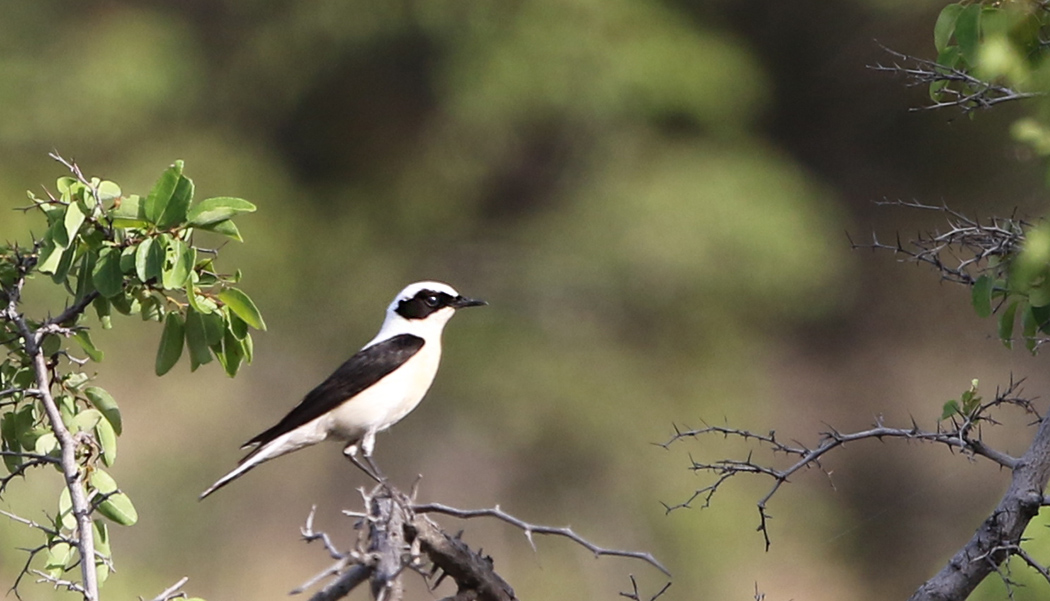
963 434
960 89
961 250
395 534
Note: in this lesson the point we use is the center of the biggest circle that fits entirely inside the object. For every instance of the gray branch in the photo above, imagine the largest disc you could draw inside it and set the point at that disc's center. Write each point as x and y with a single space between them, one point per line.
530 529
1001 532
31 339
400 536
972 93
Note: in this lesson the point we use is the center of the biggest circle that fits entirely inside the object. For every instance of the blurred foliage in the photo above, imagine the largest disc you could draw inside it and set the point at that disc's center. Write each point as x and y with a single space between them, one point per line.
609 175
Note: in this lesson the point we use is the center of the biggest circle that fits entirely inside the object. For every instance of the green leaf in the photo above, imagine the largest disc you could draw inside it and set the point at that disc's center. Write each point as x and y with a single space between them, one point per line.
57 558
102 547
130 213
67 406
213 327
227 228
968 32
72 221
86 420
107 276
45 444
106 405
158 198
61 272
1030 327
178 264
151 309
982 296
25 418
50 257
171 341
51 344
9 438
243 307
149 259
57 231
1042 318
175 213
198 301
85 285
66 519
127 260
65 185
107 439
237 326
1039 294
945 26
117 506
108 191
214 210
83 338
232 354
249 348
197 340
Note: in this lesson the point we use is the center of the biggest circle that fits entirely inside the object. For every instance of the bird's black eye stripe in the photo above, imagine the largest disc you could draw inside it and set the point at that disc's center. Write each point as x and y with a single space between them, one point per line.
423 304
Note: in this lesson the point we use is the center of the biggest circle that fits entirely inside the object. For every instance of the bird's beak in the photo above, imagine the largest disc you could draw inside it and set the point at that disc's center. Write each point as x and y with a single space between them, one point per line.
463 301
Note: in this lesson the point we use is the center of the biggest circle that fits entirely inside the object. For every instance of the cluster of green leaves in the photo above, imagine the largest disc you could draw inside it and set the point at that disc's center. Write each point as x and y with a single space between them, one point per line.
992 41
965 407
135 256
1016 285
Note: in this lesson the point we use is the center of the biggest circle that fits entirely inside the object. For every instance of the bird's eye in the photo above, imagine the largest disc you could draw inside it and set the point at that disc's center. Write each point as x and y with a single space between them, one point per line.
431 301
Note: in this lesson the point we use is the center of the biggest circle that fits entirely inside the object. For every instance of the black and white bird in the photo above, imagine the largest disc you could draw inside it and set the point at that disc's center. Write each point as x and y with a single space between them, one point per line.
373 390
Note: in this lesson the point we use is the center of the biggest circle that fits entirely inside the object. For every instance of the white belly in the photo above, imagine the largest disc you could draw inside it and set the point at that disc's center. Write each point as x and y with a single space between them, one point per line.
386 402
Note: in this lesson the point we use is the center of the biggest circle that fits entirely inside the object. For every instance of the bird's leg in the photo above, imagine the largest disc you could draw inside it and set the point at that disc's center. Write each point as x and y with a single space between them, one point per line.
351 454
371 470
375 469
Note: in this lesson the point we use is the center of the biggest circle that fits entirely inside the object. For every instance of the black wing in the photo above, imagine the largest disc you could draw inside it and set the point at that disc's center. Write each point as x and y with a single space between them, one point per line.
366 367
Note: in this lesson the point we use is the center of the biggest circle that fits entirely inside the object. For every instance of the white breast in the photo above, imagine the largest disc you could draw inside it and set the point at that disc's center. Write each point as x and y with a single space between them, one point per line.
388 401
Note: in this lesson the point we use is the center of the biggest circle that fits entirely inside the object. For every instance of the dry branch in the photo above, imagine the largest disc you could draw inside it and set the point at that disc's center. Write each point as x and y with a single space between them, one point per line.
400 536
962 90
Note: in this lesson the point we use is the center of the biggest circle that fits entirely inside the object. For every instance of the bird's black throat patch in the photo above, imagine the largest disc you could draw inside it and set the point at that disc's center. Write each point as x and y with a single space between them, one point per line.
424 303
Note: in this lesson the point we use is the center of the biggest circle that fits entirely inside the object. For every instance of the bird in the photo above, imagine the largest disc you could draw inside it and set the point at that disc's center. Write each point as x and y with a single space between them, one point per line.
373 390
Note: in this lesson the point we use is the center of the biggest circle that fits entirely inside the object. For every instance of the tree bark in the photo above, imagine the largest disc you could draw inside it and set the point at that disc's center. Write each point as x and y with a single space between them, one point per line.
1001 532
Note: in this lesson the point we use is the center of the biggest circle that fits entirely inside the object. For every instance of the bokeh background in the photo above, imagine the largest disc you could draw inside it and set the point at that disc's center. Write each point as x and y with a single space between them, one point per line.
654 197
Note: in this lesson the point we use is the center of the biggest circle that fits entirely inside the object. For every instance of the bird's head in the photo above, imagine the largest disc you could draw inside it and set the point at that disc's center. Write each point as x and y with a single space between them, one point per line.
425 307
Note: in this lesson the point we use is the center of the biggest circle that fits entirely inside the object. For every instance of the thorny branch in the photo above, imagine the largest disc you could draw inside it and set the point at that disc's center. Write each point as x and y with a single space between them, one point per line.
960 89
31 339
395 534
962 433
530 529
963 249
634 595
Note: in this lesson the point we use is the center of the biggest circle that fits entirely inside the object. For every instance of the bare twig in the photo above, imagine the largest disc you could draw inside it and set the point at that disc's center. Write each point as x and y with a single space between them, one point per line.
172 591
634 595
963 435
530 529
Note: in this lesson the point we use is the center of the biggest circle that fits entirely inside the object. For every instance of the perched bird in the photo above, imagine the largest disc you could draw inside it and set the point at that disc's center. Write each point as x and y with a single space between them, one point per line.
373 390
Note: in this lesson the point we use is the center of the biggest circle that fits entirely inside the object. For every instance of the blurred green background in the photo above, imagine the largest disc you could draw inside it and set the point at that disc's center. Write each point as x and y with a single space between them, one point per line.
652 195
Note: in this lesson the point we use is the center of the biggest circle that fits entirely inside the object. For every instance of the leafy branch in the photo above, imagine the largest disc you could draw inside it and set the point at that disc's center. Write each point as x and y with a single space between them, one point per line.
107 251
